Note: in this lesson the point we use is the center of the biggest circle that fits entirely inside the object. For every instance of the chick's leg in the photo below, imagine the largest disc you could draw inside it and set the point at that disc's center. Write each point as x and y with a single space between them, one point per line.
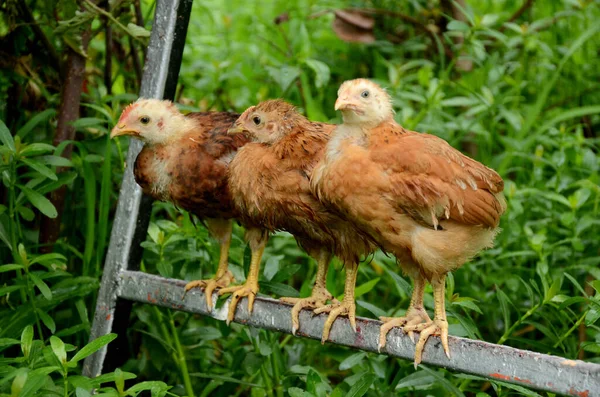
319 295
439 325
415 314
257 239
345 308
221 229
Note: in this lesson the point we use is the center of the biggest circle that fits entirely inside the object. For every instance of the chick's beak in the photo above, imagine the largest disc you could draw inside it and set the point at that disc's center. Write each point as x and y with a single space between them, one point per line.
236 129
121 129
345 103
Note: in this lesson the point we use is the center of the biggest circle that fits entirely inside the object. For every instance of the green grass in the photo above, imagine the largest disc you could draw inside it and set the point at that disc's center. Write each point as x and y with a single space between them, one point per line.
528 107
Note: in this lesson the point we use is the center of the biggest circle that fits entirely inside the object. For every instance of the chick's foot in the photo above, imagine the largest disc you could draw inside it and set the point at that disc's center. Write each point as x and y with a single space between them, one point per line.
318 299
249 289
345 308
412 318
209 286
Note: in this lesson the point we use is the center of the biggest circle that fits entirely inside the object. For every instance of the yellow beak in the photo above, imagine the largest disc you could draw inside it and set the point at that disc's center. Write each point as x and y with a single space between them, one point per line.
236 129
347 104
120 129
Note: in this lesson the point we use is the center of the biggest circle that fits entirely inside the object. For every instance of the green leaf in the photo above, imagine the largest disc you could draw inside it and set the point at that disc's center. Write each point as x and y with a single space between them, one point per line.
34 121
42 286
352 360
119 381
298 392
47 320
58 347
93 347
5 342
279 289
36 149
40 202
27 340
137 31
458 25
467 303
284 76
6 138
86 122
148 385
321 70
9 267
361 386
4 236
542 97
504 303
366 287
9 289
57 161
41 168
79 392
48 258
252 363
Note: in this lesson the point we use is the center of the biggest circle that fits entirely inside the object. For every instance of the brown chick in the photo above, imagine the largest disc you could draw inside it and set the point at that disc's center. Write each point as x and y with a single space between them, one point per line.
185 160
270 186
420 199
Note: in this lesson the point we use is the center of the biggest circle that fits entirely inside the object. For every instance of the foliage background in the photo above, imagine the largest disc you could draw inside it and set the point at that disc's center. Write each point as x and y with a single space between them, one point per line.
512 83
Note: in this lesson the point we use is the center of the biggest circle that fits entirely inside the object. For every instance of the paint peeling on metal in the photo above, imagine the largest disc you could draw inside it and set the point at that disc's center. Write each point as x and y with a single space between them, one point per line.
574 392
522 367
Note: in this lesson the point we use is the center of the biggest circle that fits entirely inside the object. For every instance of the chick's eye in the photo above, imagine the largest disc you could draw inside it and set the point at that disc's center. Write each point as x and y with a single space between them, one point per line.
364 94
145 120
256 120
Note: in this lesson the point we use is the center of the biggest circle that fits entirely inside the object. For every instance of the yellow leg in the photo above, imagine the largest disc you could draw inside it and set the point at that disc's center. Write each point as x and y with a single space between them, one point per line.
222 230
345 308
415 314
439 325
250 287
319 295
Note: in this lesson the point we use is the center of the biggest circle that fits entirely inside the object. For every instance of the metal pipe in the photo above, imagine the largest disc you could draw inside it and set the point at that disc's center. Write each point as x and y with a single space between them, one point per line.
159 80
495 362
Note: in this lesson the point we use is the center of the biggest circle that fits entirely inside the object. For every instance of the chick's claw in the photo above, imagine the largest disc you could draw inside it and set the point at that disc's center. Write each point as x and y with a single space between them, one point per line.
345 308
436 327
317 300
238 292
413 318
210 285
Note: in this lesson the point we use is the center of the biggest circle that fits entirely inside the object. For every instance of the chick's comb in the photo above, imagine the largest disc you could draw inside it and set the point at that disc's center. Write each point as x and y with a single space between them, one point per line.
126 111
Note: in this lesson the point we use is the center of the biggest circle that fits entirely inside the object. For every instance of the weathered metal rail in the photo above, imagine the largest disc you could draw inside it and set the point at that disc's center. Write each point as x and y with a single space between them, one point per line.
121 286
496 362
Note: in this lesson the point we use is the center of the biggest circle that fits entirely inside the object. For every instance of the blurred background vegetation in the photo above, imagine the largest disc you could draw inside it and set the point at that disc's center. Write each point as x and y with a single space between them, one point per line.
513 83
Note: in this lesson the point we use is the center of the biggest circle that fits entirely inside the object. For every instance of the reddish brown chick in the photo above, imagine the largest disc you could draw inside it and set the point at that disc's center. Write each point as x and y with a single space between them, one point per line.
270 186
419 198
185 161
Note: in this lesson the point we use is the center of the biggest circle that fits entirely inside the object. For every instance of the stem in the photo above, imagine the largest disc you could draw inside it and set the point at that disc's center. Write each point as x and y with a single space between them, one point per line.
573 328
11 226
112 19
182 362
517 323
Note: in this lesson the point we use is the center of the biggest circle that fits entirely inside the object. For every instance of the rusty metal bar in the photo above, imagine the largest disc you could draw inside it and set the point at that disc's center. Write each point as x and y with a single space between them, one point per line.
159 80
495 362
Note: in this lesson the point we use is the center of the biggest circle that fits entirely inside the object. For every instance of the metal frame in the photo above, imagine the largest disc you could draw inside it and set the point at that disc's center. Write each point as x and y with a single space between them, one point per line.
161 71
121 284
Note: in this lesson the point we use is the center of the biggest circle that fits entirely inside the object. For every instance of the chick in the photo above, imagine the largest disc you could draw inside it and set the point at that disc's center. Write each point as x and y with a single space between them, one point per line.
416 196
269 182
184 161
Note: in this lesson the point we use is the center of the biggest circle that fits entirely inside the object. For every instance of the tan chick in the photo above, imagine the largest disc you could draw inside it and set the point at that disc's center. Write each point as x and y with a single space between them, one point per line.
184 161
270 186
416 196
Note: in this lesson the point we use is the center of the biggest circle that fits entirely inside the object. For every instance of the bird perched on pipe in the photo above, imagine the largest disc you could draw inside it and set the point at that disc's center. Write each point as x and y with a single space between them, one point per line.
270 185
416 196
185 161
